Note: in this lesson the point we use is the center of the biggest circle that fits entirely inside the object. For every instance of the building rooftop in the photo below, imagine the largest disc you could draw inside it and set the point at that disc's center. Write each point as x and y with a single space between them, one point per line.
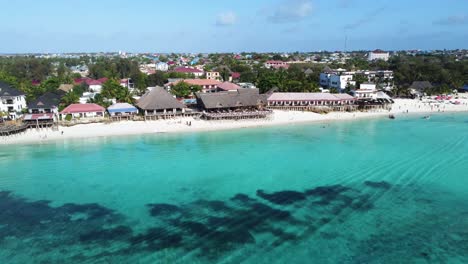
159 99
200 82
47 101
228 86
187 70
232 99
82 108
8 90
309 97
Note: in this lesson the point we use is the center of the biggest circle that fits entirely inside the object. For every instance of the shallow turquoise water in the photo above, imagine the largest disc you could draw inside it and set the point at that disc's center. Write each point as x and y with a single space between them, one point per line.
372 191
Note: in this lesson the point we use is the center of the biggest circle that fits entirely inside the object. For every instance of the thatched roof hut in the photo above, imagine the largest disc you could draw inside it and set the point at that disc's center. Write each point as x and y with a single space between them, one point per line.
159 99
241 98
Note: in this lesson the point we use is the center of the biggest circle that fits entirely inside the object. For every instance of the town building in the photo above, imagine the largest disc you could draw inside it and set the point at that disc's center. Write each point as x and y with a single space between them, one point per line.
66 87
228 86
208 86
246 85
189 70
274 64
213 75
378 55
94 85
161 66
12 101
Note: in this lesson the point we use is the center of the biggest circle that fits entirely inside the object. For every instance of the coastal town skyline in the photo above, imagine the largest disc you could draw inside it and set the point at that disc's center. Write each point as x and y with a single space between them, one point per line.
260 26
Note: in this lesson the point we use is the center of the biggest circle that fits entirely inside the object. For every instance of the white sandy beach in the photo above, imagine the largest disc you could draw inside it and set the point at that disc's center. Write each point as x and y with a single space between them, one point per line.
401 107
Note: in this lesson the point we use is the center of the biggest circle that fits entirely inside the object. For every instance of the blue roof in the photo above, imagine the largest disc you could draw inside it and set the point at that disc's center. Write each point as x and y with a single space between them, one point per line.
122 108
465 87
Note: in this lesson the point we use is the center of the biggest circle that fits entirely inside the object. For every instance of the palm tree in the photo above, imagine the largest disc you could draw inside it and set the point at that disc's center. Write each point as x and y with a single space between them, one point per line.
70 98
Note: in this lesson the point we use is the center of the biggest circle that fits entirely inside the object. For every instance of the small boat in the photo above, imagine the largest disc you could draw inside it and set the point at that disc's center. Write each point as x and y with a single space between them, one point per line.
427 117
391 116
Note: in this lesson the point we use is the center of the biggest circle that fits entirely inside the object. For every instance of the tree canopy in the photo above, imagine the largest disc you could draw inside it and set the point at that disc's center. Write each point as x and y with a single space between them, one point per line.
183 89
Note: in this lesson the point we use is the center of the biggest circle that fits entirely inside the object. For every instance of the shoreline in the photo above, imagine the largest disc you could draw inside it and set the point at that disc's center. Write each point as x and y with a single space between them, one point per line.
279 117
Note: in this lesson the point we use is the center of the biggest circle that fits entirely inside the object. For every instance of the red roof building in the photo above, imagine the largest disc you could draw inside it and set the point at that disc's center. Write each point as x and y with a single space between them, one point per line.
206 84
228 86
235 75
187 70
84 111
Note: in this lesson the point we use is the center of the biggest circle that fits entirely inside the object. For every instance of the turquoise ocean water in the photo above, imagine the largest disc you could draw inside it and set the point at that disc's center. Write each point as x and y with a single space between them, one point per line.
370 191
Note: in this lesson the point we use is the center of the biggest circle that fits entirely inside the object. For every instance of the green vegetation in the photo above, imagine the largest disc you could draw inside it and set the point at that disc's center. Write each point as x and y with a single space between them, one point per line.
183 89
444 71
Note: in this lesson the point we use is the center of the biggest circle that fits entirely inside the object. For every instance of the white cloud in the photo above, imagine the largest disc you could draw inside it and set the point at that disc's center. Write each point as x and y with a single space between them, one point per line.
291 11
226 19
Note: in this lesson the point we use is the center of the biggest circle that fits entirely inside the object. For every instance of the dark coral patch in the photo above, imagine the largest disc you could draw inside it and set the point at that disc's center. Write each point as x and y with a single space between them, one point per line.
112 234
156 239
283 197
380 185
213 205
163 209
243 198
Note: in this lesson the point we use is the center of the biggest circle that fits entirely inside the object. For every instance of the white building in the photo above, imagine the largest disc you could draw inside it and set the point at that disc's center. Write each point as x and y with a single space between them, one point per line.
213 76
366 91
162 66
336 80
340 78
12 101
378 55
246 85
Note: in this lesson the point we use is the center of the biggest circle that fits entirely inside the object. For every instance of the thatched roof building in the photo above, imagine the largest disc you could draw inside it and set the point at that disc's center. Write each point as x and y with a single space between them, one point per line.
159 100
241 98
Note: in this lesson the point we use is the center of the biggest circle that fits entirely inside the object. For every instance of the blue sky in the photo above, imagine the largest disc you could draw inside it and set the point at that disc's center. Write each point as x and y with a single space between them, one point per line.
231 25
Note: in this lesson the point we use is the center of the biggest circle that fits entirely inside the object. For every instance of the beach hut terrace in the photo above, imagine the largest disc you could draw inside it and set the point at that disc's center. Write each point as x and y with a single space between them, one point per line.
159 104
12 129
84 111
239 104
121 111
315 102
43 120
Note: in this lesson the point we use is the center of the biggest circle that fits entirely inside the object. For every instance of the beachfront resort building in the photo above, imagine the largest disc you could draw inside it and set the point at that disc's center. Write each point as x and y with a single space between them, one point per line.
366 90
83 111
340 79
237 104
46 103
12 101
370 98
158 103
314 102
419 88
